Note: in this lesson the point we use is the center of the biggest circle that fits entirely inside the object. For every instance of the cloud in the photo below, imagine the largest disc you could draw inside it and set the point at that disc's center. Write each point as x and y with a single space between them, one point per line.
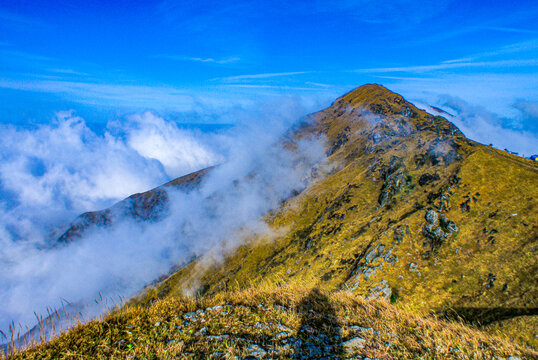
18 55
483 126
453 65
529 114
178 151
275 87
68 72
142 97
255 175
14 19
210 60
519 47
513 30
139 96
495 92
261 76
54 172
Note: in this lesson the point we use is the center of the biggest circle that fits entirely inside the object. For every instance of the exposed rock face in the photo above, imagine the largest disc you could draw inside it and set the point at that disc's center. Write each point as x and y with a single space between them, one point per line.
354 344
432 217
394 179
411 202
438 229
381 291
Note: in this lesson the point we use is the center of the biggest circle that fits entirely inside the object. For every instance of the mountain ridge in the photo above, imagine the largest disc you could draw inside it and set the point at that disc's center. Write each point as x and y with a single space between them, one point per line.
412 213
403 203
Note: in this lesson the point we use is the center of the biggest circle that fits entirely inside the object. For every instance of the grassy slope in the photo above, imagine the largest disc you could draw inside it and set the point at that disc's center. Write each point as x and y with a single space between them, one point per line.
279 322
486 271
329 237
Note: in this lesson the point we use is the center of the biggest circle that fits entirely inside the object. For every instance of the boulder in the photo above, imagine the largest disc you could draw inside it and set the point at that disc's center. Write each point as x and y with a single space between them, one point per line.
353 345
432 217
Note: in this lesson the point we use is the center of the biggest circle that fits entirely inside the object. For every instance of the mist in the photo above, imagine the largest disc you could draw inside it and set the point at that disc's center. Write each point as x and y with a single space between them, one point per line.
516 133
52 173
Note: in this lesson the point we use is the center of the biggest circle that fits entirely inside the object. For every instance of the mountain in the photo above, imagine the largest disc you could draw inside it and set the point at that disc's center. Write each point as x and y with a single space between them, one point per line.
146 206
416 214
412 227
280 323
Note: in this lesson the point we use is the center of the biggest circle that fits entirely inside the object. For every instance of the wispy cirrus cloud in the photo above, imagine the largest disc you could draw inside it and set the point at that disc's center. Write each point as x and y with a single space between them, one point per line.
452 65
519 47
139 96
259 76
68 72
275 87
510 29
209 60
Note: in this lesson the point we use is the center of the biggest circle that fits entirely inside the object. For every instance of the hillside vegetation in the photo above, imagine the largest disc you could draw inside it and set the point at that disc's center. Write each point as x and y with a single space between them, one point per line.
413 242
283 323
414 213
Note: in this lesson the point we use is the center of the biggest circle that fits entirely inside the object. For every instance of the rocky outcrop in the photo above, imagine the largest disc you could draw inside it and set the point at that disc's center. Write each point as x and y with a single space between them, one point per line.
437 229
394 179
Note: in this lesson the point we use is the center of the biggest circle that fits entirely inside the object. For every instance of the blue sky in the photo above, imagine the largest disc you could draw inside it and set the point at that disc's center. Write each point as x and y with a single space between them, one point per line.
76 79
104 58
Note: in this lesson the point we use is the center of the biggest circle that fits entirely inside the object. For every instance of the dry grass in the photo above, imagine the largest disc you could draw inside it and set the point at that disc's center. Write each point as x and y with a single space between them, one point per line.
335 222
253 316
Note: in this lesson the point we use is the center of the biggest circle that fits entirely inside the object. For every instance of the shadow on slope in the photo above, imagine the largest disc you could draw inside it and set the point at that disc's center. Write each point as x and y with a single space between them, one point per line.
319 331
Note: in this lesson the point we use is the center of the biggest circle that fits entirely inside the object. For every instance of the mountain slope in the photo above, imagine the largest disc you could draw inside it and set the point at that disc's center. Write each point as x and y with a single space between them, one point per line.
146 206
280 323
408 211
416 214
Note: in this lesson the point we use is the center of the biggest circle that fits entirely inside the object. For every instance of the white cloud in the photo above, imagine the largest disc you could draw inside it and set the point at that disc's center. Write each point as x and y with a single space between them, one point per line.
68 163
57 171
261 76
227 60
177 150
455 64
483 126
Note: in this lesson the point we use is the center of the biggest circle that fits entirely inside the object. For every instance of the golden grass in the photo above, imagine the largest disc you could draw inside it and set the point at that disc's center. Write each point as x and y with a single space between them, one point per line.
159 331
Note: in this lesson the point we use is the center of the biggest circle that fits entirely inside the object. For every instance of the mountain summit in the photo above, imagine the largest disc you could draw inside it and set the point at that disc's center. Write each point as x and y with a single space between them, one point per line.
408 218
413 213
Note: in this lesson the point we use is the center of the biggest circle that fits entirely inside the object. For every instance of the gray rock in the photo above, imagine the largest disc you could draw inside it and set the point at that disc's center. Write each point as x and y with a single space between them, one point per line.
413 267
256 351
353 345
312 350
374 253
428 229
261 326
217 308
190 316
381 291
438 233
369 272
432 217
451 227
218 337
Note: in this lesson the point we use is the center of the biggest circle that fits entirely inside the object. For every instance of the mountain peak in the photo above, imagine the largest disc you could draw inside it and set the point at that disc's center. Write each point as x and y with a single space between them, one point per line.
377 99
393 116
